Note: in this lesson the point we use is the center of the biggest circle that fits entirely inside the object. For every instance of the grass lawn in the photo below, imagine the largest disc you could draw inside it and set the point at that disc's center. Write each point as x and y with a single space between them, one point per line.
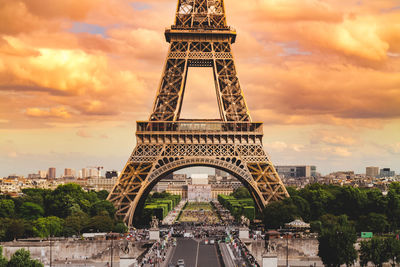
198 206
198 212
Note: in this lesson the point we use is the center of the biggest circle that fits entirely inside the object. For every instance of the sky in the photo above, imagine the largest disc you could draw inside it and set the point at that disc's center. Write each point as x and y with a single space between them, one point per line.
75 76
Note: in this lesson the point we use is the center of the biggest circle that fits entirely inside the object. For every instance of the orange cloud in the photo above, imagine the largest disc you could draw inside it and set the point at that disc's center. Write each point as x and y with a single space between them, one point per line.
60 112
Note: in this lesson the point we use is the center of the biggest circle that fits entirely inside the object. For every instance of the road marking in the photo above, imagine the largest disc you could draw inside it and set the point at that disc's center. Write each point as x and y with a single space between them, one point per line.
197 253
216 253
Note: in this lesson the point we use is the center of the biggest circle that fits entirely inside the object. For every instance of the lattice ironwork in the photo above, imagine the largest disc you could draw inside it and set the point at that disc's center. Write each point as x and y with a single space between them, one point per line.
200 37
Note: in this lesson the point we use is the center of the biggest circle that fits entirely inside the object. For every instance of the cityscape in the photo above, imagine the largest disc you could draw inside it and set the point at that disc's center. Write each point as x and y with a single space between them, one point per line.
269 140
297 176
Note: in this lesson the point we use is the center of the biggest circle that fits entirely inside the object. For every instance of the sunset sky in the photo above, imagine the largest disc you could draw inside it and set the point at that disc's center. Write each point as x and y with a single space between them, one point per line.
75 75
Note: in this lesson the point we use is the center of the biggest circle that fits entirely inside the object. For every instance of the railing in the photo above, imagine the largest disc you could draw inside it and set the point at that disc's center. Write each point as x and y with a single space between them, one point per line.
200 126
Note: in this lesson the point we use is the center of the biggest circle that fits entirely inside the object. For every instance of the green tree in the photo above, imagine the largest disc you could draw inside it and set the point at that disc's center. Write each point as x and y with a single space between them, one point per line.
11 229
392 246
31 211
7 208
318 198
241 192
120 228
336 244
102 195
365 253
374 250
100 206
61 201
100 223
302 206
393 206
22 258
373 222
277 214
3 261
48 226
75 223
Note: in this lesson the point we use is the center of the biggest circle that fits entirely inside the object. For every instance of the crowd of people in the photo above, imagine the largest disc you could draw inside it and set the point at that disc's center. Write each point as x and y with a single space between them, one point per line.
157 254
138 235
224 214
242 254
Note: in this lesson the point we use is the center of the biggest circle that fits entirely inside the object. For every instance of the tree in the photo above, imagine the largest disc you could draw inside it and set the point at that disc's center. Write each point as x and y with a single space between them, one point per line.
3 261
336 244
392 246
7 208
63 198
393 207
75 223
277 214
48 226
100 206
365 255
31 211
374 250
241 192
120 228
15 228
102 195
373 222
22 258
100 223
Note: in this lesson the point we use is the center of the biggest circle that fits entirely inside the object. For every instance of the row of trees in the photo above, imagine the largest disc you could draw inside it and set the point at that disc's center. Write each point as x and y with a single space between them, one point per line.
21 258
239 203
368 210
68 210
336 246
159 204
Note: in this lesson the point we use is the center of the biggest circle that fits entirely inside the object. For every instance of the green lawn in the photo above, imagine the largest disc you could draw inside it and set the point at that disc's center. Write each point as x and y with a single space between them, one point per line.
198 206
198 212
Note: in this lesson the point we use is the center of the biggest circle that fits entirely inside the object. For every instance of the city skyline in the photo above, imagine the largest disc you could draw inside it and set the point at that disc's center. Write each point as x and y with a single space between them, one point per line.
75 76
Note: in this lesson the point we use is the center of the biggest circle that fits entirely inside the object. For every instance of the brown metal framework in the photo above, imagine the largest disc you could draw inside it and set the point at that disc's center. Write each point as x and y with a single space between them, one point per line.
200 37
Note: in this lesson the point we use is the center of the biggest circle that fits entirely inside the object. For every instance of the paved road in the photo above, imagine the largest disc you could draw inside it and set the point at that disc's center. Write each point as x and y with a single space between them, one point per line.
186 249
208 256
192 252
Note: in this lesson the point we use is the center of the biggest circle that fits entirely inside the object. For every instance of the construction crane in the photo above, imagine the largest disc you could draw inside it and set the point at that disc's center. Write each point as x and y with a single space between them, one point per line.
99 168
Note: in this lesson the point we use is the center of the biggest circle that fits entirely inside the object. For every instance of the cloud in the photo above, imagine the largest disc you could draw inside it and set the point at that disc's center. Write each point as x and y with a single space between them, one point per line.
333 138
337 151
83 133
59 112
395 148
304 62
281 146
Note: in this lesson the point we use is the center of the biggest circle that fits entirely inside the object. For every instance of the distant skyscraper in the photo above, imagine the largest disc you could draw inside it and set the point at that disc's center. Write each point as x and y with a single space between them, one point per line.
68 172
372 171
42 174
85 173
52 173
111 174
386 172
296 171
93 173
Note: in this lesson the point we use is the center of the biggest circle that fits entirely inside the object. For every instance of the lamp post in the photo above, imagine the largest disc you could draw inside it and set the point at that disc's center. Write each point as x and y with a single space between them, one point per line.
287 249
111 250
50 243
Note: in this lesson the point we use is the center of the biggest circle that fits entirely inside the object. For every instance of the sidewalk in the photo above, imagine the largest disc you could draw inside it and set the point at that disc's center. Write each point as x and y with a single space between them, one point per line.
173 214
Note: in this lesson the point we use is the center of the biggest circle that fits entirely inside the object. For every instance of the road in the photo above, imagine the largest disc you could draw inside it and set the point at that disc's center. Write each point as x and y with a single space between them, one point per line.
195 252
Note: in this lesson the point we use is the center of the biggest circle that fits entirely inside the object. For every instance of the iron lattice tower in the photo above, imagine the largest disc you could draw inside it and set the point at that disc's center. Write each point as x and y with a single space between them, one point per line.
200 37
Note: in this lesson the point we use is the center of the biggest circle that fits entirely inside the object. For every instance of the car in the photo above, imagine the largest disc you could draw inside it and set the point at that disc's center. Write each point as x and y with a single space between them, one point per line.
180 262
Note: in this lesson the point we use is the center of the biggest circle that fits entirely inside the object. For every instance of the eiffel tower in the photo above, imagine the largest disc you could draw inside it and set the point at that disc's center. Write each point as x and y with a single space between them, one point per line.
166 143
